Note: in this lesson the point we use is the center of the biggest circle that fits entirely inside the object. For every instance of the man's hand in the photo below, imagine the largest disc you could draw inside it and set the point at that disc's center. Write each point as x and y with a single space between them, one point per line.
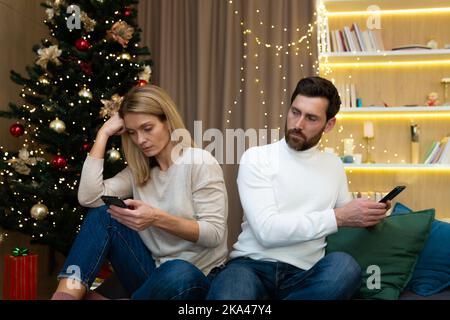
139 216
361 213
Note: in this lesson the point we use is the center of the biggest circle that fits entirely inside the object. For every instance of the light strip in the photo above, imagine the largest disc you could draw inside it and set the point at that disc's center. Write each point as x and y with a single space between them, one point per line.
385 64
387 12
393 116
350 169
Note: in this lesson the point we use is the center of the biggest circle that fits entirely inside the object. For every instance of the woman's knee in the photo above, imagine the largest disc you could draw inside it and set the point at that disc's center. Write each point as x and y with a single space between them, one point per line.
98 215
180 271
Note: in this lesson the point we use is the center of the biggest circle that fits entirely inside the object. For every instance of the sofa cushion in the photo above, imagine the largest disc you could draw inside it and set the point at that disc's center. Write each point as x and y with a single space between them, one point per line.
432 272
393 246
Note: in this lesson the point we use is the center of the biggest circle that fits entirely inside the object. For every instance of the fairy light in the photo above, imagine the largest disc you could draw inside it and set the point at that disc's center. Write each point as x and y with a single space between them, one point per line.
252 41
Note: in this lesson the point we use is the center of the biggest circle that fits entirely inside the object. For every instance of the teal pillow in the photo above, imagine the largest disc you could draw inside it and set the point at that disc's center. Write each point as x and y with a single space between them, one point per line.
393 245
432 272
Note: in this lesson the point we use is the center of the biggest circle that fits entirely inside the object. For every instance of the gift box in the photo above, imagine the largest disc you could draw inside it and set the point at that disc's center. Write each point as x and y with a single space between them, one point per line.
20 276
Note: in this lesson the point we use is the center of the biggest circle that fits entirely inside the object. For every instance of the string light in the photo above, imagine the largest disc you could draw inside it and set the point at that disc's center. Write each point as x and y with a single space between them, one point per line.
251 59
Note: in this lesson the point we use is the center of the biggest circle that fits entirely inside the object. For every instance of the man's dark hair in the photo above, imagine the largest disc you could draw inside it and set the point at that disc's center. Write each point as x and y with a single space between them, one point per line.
319 87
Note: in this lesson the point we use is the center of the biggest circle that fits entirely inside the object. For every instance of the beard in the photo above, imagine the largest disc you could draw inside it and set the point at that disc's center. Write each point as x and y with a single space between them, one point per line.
298 141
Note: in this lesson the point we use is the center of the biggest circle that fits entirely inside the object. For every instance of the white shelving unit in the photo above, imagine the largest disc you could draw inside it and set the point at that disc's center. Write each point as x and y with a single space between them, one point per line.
401 79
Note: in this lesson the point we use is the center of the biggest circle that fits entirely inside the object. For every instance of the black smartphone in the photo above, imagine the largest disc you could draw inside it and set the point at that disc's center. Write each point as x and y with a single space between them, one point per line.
112 200
394 192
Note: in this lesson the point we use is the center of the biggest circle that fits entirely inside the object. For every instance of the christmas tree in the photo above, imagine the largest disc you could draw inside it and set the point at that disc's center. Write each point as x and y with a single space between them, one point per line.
91 60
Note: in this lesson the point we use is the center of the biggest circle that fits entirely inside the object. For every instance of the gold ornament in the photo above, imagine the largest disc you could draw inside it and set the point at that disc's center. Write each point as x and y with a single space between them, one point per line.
24 160
113 155
85 93
124 56
44 80
58 126
48 108
39 211
89 24
145 74
48 54
121 32
110 107
55 8
2 237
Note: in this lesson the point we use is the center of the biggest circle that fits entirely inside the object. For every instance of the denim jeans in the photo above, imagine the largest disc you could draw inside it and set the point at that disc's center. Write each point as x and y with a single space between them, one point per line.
336 276
102 237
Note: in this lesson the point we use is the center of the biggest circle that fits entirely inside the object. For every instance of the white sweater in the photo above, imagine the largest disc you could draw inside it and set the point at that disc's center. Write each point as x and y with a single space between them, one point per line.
192 188
288 198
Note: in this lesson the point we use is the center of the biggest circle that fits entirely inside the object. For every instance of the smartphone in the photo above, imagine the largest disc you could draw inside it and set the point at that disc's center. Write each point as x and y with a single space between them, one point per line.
111 200
394 192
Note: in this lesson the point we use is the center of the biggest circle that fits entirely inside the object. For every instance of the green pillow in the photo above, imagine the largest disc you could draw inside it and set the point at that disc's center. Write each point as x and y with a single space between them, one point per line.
393 245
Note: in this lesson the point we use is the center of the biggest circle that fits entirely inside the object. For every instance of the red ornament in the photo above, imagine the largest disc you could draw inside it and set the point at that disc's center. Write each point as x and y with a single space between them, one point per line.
82 44
86 68
59 162
127 11
16 130
142 83
86 147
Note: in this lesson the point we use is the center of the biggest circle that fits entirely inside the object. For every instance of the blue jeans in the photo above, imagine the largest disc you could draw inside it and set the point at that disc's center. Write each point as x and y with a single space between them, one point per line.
102 237
336 276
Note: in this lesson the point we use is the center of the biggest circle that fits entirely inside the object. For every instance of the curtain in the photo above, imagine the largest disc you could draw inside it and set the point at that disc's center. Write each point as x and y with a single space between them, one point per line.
230 64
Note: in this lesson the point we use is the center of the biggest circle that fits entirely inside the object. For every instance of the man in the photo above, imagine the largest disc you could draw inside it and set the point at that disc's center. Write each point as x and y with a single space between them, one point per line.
294 196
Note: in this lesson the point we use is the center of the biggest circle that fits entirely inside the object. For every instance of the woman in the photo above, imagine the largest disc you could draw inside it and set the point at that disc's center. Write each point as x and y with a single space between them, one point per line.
174 232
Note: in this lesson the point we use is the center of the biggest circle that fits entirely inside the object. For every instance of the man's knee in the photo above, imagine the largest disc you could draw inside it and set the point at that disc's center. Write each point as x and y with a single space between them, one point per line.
174 280
344 263
346 270
235 282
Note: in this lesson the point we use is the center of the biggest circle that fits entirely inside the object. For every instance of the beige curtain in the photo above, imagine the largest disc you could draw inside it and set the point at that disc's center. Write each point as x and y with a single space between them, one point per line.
223 64
21 27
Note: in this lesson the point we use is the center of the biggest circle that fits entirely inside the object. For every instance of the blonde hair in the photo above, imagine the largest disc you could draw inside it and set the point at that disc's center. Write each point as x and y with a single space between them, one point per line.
152 100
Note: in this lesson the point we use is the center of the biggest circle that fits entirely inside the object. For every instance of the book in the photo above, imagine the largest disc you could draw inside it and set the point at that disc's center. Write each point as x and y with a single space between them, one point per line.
334 42
445 154
352 96
377 39
359 36
367 41
431 152
348 37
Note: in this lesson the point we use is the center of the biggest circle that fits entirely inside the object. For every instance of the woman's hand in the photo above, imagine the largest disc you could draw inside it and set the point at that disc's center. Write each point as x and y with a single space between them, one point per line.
114 126
139 216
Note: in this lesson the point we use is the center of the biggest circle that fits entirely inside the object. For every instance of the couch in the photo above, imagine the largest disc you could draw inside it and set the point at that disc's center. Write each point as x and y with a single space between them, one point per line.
112 289
409 248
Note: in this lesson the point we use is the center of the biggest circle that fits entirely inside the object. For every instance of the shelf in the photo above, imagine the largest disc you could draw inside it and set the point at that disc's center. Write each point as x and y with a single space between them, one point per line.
386 58
423 109
395 113
340 7
397 167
